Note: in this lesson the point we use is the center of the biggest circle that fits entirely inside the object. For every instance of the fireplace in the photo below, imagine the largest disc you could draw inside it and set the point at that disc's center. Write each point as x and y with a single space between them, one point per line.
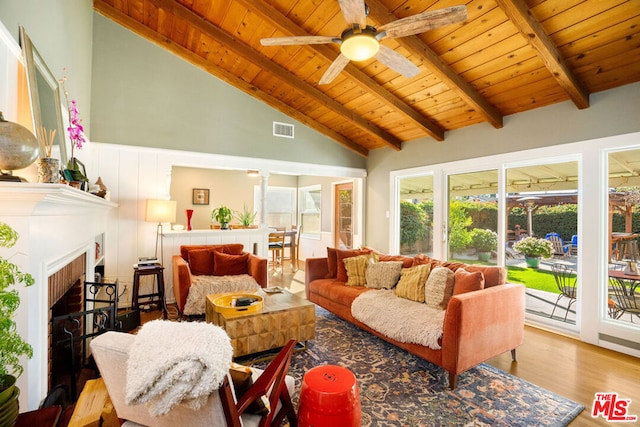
66 296
57 225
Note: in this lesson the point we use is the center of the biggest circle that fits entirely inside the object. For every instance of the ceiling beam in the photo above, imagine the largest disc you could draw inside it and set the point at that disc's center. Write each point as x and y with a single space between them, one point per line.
438 67
519 13
278 20
115 15
256 58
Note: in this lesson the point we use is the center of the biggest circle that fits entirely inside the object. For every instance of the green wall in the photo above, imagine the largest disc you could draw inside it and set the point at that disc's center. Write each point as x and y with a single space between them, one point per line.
61 30
146 96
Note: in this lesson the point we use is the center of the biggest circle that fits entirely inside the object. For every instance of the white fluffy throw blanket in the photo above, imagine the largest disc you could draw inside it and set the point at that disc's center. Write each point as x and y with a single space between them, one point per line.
176 362
399 318
201 286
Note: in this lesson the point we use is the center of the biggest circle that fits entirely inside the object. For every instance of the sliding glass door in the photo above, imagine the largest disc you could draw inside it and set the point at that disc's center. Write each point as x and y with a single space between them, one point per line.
542 203
472 227
416 214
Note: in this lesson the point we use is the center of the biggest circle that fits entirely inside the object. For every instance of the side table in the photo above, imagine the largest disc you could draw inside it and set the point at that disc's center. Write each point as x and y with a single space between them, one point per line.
156 270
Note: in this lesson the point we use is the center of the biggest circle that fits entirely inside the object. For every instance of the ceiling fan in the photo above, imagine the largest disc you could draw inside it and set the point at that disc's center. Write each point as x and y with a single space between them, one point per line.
360 41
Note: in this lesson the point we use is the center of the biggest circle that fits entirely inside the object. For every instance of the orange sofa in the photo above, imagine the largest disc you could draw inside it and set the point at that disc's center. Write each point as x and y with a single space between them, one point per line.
213 260
478 324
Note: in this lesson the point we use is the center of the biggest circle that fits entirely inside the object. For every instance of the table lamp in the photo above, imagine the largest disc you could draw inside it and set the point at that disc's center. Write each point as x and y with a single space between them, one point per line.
160 211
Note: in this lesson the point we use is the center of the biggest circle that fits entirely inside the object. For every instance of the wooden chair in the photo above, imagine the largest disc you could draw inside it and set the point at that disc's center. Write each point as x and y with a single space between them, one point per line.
271 383
276 247
566 282
111 353
559 248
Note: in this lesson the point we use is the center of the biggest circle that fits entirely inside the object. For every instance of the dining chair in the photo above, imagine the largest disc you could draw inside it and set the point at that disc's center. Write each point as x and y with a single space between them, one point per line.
276 247
566 281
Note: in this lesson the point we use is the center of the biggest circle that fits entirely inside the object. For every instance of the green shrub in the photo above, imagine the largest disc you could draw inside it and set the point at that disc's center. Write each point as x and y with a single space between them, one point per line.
484 240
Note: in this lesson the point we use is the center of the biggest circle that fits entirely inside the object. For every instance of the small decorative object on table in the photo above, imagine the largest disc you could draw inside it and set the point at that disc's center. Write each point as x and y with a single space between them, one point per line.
75 171
48 167
223 215
189 213
18 149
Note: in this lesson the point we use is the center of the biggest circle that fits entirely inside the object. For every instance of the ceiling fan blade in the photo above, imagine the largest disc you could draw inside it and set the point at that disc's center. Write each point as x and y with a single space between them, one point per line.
397 62
334 69
422 22
354 12
297 40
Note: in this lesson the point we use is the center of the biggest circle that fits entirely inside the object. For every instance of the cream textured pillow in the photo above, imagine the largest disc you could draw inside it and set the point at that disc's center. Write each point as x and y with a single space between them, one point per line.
412 281
383 274
439 288
356 267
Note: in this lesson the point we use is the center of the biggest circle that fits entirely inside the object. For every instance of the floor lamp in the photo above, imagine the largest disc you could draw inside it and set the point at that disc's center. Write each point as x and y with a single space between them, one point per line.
160 211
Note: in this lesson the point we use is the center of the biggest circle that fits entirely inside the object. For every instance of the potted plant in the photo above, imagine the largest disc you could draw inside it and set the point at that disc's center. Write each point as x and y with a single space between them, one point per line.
485 241
246 217
12 346
533 248
222 215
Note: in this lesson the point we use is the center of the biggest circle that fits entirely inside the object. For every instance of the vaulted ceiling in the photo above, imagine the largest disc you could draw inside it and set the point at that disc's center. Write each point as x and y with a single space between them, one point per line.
509 56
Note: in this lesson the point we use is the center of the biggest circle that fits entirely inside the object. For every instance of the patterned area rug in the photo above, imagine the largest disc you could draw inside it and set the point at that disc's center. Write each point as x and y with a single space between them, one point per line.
399 389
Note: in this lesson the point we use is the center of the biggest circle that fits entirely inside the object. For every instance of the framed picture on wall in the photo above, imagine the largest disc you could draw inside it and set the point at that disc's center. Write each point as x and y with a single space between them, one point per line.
200 196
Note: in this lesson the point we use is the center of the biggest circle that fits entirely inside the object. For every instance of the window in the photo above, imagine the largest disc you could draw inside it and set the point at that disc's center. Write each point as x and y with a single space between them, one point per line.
310 202
281 206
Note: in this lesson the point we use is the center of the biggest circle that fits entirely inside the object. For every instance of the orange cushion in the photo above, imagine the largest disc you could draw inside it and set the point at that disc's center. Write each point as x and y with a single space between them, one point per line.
406 261
230 265
332 263
421 259
467 281
200 262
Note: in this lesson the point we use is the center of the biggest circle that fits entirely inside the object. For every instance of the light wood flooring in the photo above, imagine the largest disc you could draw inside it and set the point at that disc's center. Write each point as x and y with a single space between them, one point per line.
566 366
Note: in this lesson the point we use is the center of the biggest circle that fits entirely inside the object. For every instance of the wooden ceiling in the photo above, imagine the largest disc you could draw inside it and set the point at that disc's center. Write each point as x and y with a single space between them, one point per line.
508 57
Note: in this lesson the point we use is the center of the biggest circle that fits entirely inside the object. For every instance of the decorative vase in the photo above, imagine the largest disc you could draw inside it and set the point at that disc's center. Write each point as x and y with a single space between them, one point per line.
532 261
189 215
48 170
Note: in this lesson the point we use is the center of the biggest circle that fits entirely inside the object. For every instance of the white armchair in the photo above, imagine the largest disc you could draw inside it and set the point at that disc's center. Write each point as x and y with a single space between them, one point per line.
111 352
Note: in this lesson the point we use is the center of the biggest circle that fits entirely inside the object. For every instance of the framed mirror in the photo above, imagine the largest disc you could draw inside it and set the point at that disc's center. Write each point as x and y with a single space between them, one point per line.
44 91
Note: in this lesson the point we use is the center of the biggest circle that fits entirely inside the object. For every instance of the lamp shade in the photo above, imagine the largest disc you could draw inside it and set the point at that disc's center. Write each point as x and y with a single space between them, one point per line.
160 210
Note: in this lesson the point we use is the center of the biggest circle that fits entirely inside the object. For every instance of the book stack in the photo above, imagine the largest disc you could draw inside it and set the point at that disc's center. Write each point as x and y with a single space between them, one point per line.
147 262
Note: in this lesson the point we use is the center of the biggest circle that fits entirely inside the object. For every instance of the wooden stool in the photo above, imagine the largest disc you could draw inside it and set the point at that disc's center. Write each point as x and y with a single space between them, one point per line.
329 397
155 297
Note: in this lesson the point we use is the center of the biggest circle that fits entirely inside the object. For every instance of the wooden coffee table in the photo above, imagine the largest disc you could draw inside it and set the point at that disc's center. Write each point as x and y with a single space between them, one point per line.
284 316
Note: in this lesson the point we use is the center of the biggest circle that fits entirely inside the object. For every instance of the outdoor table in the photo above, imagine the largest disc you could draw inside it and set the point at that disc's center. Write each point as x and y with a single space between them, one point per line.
630 281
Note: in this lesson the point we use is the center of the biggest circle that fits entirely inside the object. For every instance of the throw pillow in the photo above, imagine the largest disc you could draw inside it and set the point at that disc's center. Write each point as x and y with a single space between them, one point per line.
383 274
200 262
466 281
406 261
243 378
412 281
341 254
439 288
356 268
230 265
332 263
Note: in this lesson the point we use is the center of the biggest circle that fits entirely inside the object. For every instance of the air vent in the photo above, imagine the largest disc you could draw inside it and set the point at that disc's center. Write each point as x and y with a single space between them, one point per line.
283 130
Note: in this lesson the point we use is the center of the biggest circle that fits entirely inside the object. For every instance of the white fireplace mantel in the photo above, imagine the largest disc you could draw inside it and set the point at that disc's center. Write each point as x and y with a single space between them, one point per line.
56 224
19 198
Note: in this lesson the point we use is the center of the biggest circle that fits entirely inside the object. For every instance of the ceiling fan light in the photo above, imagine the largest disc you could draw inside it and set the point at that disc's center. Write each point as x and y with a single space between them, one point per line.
359 47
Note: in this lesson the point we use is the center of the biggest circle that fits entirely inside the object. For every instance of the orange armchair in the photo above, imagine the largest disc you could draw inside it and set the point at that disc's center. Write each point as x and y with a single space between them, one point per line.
215 260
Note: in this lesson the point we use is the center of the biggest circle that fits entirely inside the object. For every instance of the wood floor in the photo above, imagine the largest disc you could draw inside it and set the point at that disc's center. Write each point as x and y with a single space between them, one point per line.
566 366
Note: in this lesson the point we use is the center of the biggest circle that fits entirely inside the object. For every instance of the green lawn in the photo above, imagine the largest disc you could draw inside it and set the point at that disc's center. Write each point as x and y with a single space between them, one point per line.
533 278
530 277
